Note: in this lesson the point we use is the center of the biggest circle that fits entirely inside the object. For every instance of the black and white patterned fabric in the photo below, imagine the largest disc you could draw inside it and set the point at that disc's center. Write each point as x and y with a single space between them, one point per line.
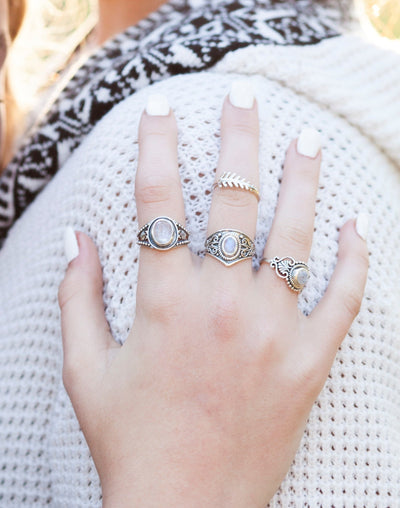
183 36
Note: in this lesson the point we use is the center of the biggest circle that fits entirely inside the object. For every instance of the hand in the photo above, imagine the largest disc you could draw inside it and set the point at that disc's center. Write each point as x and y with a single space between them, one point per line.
205 403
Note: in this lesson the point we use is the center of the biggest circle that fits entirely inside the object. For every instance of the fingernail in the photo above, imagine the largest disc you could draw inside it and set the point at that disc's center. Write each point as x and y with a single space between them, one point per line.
157 105
309 142
242 94
71 246
362 225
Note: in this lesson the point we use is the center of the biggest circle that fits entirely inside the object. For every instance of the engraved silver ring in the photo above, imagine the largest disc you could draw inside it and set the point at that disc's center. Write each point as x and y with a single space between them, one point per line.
230 180
229 246
296 273
163 233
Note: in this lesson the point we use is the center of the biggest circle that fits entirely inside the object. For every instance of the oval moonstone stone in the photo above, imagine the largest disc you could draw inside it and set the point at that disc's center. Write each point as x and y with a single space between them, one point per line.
162 232
230 246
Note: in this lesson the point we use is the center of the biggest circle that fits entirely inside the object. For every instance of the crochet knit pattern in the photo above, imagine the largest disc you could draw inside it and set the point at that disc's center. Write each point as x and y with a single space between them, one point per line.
345 88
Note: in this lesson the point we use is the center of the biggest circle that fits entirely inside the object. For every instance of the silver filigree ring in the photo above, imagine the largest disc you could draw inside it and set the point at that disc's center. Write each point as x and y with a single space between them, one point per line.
163 233
230 246
296 273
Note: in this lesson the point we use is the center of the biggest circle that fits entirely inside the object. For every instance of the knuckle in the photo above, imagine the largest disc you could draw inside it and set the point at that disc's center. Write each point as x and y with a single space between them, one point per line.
362 259
164 306
68 289
77 282
224 316
296 236
307 375
152 193
306 173
352 299
156 128
245 128
71 372
232 198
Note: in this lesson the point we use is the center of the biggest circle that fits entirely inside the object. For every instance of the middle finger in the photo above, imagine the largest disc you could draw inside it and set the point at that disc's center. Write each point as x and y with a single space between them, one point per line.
234 207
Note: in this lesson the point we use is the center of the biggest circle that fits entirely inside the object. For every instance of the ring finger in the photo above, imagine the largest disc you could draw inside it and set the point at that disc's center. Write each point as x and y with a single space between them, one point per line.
293 226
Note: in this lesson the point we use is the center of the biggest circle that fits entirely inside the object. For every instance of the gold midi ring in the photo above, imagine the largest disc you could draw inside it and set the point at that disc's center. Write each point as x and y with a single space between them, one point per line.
234 181
230 246
163 233
296 273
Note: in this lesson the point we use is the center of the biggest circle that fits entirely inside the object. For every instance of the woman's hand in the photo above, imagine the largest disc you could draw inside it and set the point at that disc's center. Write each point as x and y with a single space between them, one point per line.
206 402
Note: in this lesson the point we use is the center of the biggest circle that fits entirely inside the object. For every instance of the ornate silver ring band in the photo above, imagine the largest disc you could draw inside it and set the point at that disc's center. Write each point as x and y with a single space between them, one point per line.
229 180
230 246
163 233
296 273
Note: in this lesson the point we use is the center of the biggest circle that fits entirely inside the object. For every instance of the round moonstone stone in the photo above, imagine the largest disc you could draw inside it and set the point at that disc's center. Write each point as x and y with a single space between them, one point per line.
163 232
301 276
230 246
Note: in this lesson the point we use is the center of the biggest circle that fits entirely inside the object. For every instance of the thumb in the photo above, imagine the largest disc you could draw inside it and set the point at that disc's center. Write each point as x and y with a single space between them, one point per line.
86 335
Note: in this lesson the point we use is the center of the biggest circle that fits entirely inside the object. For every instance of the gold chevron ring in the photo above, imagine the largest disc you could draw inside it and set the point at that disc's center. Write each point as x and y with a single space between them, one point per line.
229 180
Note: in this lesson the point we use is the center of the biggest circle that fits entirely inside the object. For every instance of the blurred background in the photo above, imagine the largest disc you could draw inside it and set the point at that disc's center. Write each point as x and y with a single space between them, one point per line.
37 61
384 16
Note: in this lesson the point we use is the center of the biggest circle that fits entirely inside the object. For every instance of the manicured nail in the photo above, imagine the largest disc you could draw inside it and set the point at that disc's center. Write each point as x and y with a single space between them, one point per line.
71 246
309 142
362 225
242 94
157 105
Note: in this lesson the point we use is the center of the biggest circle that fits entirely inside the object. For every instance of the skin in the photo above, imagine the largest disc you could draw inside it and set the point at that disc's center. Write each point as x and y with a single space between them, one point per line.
117 15
206 402
11 17
4 44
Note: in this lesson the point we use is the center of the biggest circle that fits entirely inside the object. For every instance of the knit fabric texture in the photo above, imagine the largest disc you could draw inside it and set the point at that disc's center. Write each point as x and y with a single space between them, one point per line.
345 88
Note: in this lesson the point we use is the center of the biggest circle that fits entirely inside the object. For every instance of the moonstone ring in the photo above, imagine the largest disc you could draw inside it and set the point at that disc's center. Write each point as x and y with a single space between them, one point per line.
163 233
230 246
296 273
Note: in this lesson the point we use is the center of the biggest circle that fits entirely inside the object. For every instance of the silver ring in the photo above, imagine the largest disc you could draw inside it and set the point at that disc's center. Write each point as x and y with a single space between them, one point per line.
233 180
163 233
230 246
296 273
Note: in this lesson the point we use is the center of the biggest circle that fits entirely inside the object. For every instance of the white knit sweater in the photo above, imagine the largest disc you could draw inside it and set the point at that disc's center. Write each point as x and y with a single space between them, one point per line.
349 90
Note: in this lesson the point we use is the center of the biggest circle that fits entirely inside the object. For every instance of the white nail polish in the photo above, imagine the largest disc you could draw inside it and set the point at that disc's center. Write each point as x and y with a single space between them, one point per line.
242 94
309 142
362 225
71 246
157 105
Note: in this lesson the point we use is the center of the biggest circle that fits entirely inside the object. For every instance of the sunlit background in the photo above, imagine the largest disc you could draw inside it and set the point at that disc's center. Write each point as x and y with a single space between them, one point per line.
384 16
49 37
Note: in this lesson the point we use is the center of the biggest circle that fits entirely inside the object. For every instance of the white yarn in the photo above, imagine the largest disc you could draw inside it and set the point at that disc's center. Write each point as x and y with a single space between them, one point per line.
350 453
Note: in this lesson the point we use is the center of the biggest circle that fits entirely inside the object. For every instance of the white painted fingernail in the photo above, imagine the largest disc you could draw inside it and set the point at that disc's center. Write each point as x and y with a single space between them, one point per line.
71 246
242 94
157 105
362 225
309 142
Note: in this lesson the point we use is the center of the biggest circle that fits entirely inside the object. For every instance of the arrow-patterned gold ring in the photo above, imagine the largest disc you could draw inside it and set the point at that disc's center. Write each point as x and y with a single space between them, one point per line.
296 273
229 180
